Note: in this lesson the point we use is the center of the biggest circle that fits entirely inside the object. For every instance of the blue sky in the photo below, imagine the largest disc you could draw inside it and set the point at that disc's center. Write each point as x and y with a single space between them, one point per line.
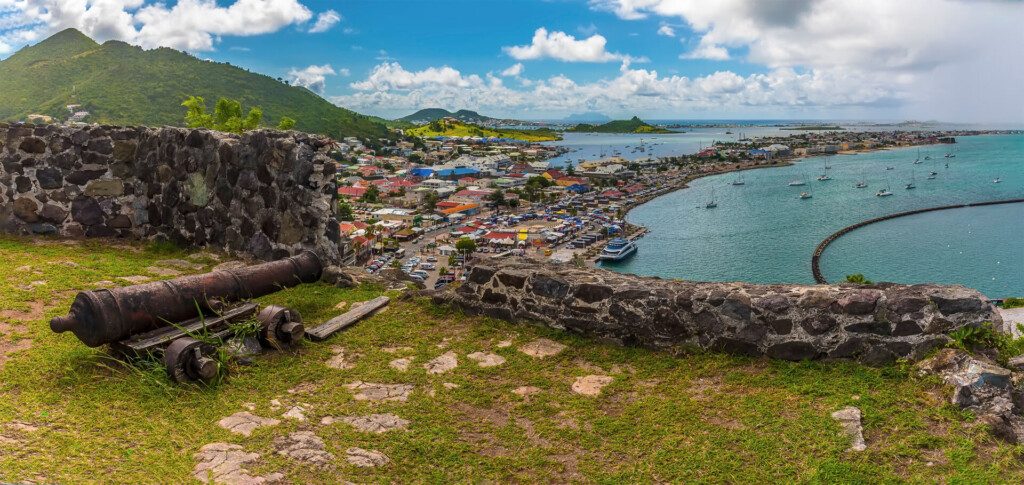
864 59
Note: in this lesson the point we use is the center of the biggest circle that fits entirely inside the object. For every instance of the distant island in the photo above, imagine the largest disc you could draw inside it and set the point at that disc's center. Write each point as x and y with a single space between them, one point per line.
632 125
813 128
450 127
588 117
427 115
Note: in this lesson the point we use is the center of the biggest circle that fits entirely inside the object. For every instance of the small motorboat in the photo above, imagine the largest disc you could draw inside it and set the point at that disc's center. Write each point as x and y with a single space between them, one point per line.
805 195
797 183
883 193
997 180
861 185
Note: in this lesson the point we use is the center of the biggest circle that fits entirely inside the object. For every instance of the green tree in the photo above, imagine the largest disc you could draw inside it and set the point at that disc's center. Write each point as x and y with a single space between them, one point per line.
858 279
372 195
430 201
465 245
286 123
345 211
227 115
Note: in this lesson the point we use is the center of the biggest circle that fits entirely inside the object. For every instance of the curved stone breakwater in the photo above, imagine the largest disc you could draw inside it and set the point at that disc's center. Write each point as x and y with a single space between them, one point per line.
873 324
818 251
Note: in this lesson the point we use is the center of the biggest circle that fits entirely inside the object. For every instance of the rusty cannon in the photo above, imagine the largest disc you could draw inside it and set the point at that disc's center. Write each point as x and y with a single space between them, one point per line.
164 317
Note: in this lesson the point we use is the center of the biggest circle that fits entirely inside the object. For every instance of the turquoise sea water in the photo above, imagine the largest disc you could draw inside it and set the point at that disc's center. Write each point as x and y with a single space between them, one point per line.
762 232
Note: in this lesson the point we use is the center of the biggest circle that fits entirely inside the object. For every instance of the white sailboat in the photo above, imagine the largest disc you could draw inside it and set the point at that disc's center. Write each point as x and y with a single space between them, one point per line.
739 180
824 175
861 183
711 203
884 192
910 185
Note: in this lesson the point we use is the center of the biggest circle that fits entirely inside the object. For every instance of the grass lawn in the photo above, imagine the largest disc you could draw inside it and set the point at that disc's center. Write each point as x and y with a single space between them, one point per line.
70 414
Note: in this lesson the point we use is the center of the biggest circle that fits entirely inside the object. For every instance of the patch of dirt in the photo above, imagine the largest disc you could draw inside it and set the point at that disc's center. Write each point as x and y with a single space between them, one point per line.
366 458
442 363
591 385
703 389
9 347
373 423
340 360
161 271
368 391
531 433
229 265
244 423
486 359
542 348
35 311
304 388
396 349
341 305
180 263
306 447
135 279
504 344
225 463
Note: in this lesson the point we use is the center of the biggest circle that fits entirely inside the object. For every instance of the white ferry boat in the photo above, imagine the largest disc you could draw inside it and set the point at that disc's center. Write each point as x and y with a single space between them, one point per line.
617 250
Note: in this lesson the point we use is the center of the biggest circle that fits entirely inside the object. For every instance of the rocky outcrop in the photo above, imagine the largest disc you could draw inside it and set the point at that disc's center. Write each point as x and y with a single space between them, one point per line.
266 193
873 324
982 387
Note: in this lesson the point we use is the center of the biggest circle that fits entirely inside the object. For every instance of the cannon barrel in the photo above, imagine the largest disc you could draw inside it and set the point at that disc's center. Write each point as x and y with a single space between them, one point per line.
110 315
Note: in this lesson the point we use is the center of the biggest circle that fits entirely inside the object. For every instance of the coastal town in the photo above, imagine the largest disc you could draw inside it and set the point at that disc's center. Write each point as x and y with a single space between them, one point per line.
424 206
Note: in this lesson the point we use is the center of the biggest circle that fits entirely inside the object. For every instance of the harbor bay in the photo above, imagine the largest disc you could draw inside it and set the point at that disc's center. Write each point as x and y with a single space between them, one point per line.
763 232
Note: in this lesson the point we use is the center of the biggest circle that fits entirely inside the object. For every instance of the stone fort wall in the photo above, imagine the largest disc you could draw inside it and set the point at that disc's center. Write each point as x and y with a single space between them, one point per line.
267 194
874 324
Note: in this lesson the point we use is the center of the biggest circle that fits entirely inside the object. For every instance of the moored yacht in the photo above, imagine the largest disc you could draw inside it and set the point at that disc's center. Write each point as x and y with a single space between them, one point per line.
805 195
617 250
883 193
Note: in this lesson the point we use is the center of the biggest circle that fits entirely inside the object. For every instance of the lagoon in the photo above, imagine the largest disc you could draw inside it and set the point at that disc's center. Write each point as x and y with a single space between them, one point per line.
762 232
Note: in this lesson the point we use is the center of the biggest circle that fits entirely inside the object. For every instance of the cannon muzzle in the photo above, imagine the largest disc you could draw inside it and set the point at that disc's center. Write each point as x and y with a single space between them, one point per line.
110 315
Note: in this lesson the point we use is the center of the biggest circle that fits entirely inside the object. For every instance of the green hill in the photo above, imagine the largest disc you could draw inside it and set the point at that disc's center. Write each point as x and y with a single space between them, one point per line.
123 84
432 114
459 129
632 125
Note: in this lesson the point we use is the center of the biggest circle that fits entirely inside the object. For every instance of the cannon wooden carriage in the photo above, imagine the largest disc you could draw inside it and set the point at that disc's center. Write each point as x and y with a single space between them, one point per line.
178 320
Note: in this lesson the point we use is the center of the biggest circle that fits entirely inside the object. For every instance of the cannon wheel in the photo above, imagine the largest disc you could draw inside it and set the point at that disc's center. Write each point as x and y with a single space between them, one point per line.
281 327
189 360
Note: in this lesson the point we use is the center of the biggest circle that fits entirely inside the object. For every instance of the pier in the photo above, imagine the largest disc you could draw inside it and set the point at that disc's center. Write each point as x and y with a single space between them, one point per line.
818 251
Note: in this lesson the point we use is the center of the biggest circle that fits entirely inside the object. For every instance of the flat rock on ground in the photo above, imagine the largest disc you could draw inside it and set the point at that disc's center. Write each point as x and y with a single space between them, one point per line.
244 423
442 363
526 391
306 447
541 348
225 463
591 385
849 418
486 359
366 458
401 364
340 360
373 423
369 391
1012 317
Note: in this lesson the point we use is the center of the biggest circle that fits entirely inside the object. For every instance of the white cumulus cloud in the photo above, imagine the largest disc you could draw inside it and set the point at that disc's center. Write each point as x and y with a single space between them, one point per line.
958 51
313 77
667 31
325 21
391 89
563 47
513 70
193 25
